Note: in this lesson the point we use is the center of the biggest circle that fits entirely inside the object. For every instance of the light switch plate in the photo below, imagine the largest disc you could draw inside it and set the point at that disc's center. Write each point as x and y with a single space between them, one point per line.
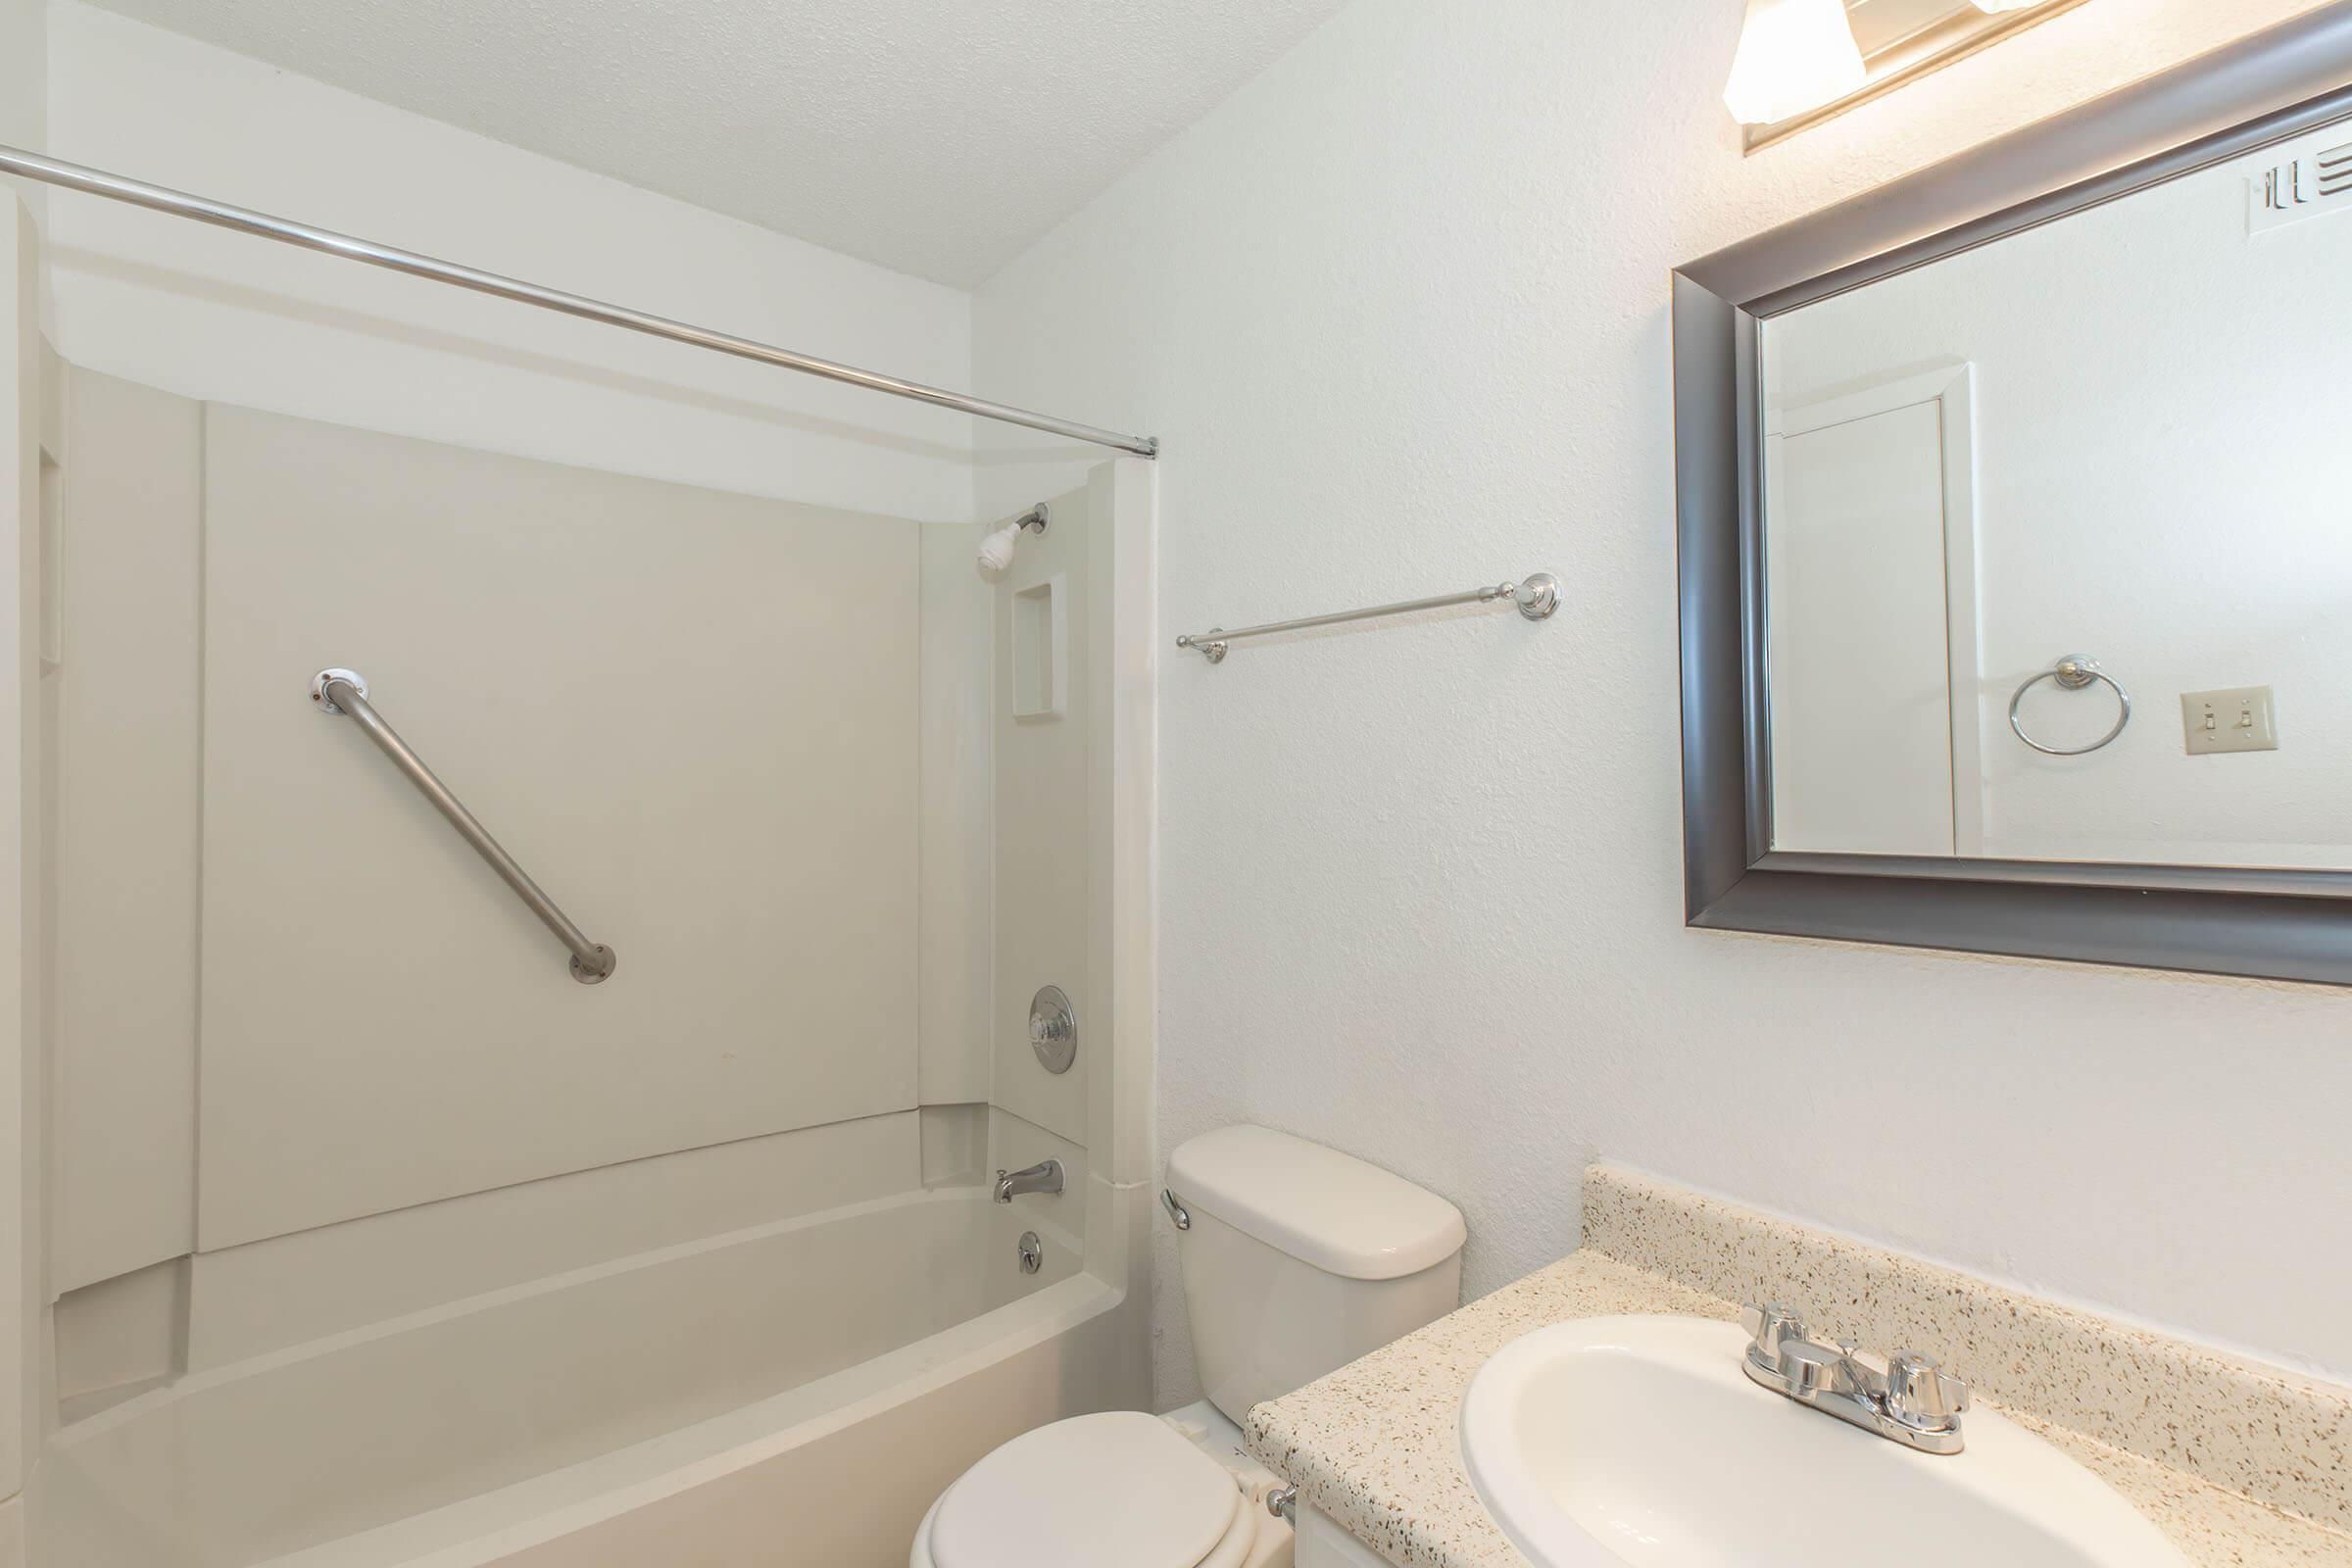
2239 719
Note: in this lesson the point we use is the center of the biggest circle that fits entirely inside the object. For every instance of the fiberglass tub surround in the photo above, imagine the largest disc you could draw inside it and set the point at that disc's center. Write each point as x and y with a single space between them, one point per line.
365 1449
475 1262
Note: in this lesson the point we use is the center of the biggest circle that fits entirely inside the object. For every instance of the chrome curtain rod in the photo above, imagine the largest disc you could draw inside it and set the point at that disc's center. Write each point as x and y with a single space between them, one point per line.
221 214
339 691
1536 597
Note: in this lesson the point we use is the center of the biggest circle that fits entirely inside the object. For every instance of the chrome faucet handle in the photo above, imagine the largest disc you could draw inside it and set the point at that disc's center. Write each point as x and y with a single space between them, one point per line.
1770 1328
1921 1395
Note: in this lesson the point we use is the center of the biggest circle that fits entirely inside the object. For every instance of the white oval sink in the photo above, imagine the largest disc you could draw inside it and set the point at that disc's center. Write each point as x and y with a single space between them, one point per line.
1639 1440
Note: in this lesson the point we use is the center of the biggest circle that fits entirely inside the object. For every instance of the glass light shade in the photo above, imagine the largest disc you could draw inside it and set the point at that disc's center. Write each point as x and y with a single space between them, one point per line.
1996 7
1795 55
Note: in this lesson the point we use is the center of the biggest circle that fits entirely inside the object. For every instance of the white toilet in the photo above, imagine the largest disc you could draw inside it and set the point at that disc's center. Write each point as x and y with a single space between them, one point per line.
1296 1260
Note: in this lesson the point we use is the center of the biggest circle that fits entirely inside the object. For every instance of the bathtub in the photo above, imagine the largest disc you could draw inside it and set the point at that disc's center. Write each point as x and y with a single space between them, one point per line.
794 1392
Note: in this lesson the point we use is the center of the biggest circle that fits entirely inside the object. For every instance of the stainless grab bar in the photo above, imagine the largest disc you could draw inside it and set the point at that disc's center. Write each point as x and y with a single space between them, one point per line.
340 691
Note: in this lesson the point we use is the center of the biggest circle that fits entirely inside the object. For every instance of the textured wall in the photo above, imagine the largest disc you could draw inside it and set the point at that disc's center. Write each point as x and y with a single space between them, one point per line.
929 135
1399 310
220 316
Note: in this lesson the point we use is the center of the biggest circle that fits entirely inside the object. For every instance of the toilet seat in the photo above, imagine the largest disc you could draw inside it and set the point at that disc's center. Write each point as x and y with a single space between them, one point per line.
1119 1490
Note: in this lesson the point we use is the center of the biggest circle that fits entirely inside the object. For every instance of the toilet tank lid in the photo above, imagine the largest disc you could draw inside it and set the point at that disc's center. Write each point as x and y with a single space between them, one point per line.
1315 1204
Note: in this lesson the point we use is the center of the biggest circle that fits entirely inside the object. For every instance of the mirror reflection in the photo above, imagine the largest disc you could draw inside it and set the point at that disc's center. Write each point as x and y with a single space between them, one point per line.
2058 536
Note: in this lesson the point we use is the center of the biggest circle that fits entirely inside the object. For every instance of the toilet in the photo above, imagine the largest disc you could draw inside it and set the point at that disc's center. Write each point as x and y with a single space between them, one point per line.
1296 1259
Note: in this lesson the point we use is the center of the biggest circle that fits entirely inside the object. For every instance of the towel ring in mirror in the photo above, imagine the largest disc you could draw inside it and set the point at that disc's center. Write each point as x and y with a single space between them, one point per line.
2073 673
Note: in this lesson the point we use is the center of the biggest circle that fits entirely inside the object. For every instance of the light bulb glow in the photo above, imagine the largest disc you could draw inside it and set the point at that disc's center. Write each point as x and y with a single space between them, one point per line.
1795 55
1996 7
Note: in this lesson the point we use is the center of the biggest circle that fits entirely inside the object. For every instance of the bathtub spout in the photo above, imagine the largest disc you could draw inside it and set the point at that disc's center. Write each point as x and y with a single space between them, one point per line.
1042 1177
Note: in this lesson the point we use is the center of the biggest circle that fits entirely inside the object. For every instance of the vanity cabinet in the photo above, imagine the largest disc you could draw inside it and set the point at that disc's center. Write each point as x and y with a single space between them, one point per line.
1324 1545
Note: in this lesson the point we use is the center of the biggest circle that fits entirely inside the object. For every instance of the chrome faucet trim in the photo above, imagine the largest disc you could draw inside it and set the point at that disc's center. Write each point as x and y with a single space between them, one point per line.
1914 1403
1044 1177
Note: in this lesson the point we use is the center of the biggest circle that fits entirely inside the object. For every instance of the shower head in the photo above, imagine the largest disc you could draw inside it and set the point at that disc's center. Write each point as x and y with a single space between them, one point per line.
995 549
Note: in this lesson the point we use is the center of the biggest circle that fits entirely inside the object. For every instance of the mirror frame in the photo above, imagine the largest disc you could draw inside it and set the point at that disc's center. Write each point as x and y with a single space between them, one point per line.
2284 925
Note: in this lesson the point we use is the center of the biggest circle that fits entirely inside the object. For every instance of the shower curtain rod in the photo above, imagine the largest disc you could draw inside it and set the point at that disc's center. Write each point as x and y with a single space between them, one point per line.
179 204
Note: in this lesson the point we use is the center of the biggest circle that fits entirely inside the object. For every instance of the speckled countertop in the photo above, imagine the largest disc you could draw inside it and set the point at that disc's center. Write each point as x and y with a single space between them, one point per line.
1374 1445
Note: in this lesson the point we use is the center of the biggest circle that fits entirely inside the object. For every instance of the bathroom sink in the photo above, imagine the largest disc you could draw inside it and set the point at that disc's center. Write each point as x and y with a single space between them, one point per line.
1639 1440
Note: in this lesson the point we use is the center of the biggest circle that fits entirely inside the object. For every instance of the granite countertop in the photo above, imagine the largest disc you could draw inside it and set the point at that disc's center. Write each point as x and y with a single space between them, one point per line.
1374 1445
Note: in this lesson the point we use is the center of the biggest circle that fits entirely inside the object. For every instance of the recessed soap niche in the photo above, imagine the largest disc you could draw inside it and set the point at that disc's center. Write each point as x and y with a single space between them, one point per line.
1041 652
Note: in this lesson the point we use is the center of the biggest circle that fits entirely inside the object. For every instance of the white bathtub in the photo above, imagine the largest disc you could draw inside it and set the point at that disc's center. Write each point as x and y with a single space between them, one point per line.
794 1392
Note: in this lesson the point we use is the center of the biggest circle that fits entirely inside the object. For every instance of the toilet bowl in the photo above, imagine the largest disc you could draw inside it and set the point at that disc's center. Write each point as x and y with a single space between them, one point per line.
1296 1259
1119 1490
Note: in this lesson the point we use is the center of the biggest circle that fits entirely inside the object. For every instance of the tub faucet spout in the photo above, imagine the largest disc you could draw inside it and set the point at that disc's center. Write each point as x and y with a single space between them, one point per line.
1039 1178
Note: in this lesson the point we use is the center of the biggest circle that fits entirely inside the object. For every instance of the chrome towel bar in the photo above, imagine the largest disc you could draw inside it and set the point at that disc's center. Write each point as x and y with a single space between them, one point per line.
340 691
1536 597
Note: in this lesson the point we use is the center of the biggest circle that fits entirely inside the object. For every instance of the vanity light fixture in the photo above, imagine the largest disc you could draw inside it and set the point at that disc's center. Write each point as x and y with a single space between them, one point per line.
1795 55
1801 62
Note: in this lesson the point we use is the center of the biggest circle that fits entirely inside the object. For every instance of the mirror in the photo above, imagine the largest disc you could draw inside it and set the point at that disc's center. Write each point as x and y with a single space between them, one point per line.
2014 522
2098 472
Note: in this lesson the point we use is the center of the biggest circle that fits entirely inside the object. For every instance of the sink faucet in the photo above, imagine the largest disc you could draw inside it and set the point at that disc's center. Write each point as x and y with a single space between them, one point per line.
1914 1403
1045 1177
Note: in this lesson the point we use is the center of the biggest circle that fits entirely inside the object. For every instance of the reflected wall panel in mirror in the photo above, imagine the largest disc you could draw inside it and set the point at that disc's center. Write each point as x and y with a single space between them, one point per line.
2123 437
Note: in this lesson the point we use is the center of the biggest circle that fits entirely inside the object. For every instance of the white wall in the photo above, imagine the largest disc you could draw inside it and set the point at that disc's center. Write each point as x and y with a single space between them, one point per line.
27 724
222 317
757 878
128 832
229 320
24 67
956 822
1046 844
1399 310
690 714
23 84
2161 478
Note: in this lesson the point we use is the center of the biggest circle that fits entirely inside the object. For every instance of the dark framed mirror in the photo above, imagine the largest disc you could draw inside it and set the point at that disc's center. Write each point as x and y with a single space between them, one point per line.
2013 508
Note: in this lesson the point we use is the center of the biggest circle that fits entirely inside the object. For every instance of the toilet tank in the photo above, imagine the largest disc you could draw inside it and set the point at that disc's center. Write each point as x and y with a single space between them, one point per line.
1300 1258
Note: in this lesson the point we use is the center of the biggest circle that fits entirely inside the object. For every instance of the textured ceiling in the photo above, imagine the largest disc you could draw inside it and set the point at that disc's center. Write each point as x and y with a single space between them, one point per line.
936 136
